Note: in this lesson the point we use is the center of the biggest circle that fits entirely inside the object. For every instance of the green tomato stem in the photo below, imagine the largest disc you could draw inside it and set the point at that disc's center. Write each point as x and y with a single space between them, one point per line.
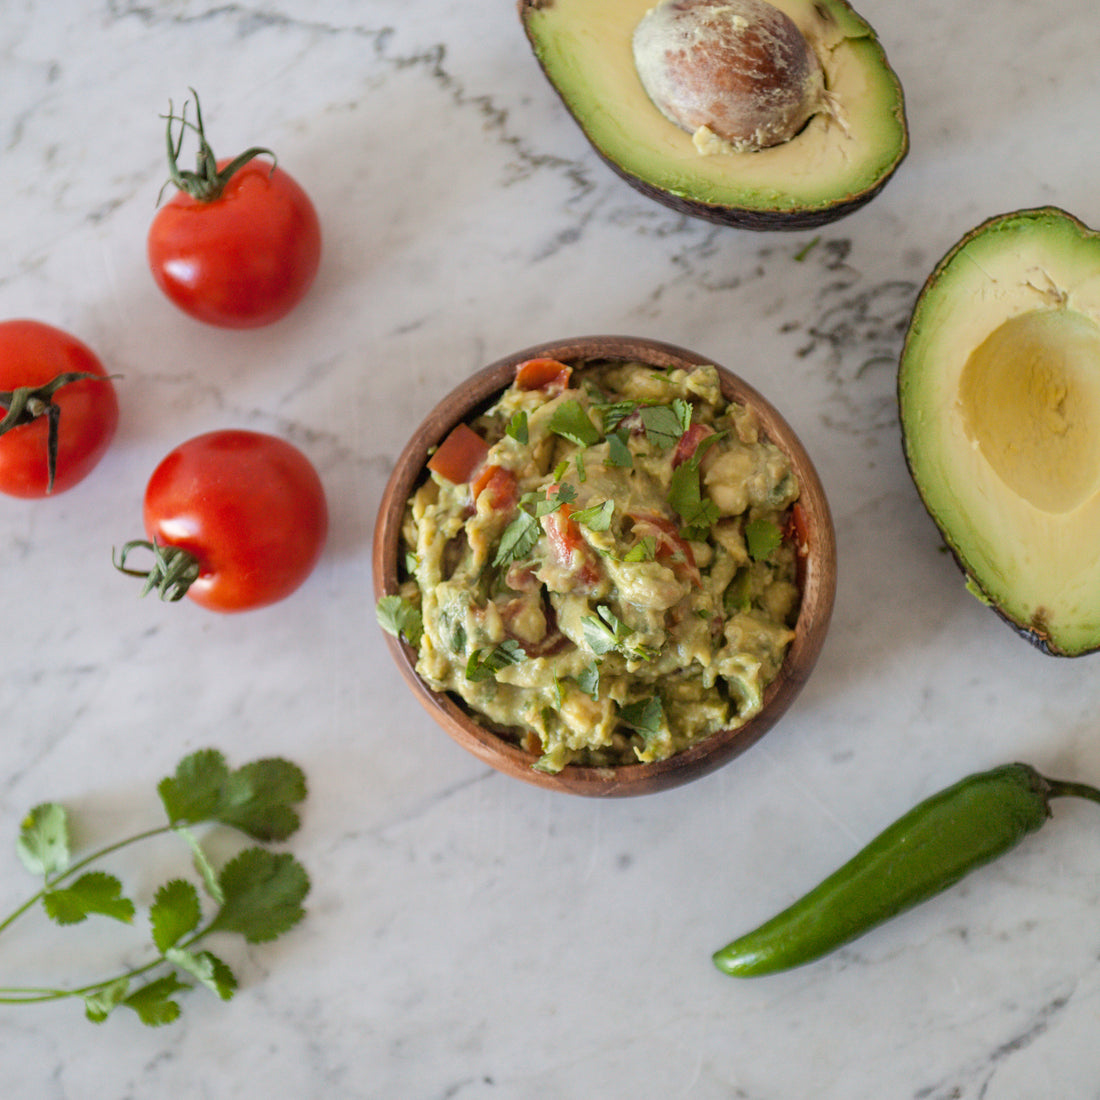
172 573
206 183
25 404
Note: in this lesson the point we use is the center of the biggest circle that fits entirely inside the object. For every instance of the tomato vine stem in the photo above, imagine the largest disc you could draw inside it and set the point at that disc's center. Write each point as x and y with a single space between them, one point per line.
25 404
172 573
206 183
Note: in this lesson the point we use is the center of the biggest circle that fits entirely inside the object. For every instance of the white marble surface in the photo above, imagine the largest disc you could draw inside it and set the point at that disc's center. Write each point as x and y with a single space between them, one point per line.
469 936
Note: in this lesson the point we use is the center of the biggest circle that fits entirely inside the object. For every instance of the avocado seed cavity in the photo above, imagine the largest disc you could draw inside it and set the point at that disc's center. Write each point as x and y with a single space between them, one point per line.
738 75
1029 397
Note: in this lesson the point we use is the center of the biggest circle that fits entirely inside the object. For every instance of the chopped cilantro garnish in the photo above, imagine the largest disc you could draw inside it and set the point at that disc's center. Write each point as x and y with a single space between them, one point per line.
613 415
517 427
738 596
645 549
618 451
605 633
486 663
547 502
572 422
518 539
596 517
664 424
762 537
698 513
608 632
588 680
647 716
402 619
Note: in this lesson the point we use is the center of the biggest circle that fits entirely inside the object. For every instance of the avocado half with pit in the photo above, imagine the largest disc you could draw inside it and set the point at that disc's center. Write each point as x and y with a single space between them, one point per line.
855 137
999 397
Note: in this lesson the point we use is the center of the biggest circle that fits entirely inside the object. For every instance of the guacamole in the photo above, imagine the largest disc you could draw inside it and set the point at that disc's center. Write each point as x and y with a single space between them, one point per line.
601 565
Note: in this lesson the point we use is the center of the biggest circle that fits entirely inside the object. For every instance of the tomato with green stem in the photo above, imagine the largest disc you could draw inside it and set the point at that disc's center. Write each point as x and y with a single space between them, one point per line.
235 520
59 409
239 244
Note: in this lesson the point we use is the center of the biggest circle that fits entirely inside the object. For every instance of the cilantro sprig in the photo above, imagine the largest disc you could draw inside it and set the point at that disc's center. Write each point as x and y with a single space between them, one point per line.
257 894
484 664
697 512
402 619
605 632
519 537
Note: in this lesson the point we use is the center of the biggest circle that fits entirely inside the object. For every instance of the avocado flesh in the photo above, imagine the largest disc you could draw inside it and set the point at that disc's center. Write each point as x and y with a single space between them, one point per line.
828 169
999 396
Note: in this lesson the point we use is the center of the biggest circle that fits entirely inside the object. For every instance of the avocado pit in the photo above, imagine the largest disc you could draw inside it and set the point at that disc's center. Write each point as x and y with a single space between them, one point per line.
738 75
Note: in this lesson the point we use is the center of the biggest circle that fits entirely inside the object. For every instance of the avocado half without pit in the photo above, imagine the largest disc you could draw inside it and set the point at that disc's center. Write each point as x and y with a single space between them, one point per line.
782 115
999 397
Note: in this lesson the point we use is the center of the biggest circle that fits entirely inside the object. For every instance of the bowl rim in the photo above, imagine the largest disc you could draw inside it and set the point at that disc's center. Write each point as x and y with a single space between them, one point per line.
712 752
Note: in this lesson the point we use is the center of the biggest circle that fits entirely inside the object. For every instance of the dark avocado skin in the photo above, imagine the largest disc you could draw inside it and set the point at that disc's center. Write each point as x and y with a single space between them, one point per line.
761 220
1034 634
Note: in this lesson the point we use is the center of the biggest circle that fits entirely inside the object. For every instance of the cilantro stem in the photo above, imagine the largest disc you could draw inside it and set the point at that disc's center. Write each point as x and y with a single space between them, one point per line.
18 995
79 866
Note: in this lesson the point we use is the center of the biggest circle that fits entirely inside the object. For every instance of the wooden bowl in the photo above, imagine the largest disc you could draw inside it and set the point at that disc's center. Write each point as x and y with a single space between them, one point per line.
705 756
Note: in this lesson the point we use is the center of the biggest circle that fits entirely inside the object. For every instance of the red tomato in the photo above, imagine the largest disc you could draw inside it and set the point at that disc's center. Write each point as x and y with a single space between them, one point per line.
459 457
251 510
243 259
543 374
34 354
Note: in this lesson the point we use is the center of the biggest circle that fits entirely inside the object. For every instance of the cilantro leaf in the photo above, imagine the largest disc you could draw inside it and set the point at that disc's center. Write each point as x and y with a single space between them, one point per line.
614 414
260 798
256 798
588 680
647 716
518 539
645 549
174 913
664 424
517 427
596 517
399 617
762 538
570 421
618 451
552 499
608 632
194 793
207 968
98 1003
153 1001
485 663
263 895
43 843
738 594
92 892
685 495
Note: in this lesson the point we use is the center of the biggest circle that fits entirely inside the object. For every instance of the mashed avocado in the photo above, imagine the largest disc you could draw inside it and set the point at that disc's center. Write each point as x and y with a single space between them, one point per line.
601 569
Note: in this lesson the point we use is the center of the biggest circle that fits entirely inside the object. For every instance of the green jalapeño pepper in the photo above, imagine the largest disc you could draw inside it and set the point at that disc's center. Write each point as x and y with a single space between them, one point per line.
923 853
